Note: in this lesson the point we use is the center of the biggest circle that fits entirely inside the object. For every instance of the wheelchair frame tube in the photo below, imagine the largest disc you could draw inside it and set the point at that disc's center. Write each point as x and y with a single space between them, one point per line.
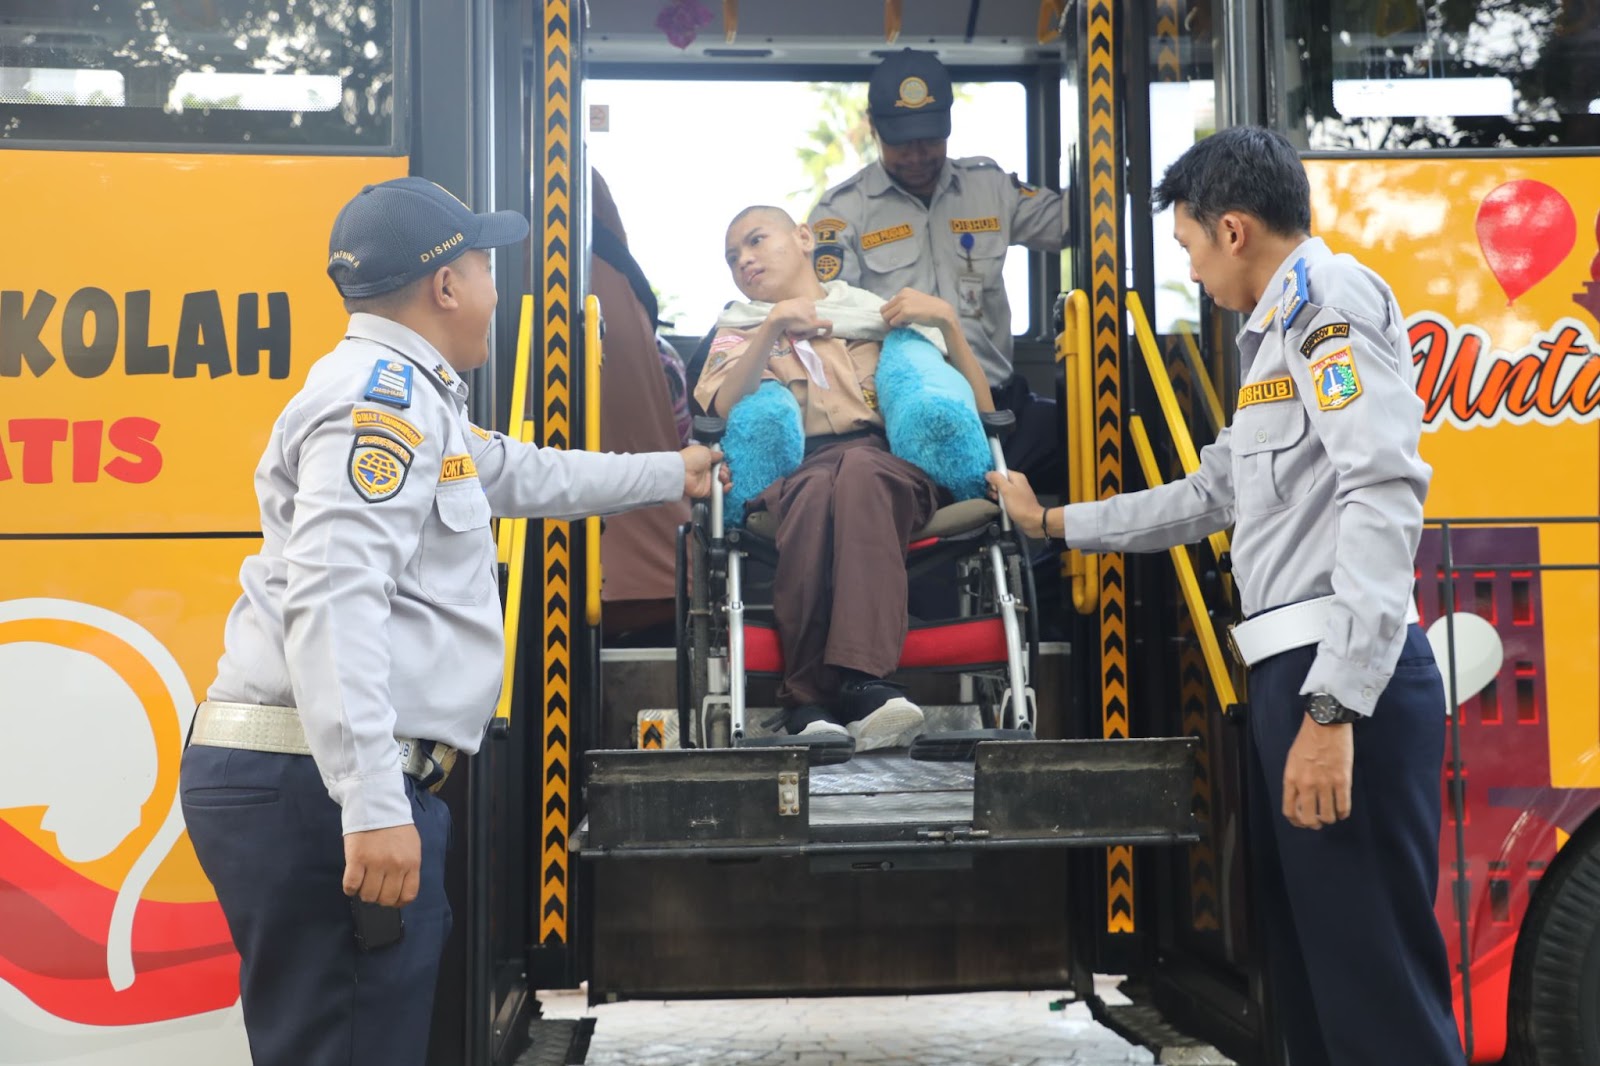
735 648
1008 607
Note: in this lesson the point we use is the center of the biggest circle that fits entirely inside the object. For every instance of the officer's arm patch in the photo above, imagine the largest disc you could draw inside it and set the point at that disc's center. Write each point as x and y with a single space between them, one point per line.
365 419
1323 333
826 230
1023 187
390 383
378 466
1335 381
828 260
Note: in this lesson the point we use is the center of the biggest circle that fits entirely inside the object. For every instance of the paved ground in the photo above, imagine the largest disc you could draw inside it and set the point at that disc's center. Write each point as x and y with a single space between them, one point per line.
984 1029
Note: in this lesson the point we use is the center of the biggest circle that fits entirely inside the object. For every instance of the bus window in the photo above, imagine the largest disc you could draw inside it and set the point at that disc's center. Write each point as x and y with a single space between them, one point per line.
680 168
230 72
1395 75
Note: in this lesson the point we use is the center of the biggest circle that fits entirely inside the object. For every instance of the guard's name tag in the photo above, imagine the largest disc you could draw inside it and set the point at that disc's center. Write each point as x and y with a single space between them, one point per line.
975 225
457 468
1266 391
886 236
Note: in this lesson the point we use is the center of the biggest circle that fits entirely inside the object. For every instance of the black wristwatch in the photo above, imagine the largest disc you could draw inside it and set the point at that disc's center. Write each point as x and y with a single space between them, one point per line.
1327 710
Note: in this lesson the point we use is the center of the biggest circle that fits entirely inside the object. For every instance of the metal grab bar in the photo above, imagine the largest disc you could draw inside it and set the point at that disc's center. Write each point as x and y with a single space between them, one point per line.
1169 407
1074 351
1198 371
1210 647
512 535
593 331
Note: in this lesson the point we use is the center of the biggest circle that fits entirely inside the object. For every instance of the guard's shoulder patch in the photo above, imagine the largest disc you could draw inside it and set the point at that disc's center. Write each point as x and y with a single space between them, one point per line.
828 260
483 434
1323 333
1023 187
390 383
1295 293
363 418
826 230
378 466
1334 379
457 468
976 162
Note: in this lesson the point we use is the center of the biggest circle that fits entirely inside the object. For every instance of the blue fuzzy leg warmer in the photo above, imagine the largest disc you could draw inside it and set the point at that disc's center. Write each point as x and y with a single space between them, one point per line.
765 440
931 416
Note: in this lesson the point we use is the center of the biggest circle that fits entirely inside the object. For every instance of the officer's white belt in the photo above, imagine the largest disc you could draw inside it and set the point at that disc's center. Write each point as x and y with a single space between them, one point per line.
1286 628
258 727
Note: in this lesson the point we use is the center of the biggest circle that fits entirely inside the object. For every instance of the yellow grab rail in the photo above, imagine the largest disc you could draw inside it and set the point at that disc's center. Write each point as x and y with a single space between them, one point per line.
1075 352
512 534
1198 371
1216 665
1169 403
592 333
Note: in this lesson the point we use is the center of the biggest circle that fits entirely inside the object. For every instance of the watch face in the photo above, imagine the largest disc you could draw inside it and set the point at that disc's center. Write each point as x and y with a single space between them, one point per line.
1324 709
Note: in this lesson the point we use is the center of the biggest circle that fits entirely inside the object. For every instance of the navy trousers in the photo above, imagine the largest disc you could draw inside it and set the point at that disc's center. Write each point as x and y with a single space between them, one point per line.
1355 956
269 838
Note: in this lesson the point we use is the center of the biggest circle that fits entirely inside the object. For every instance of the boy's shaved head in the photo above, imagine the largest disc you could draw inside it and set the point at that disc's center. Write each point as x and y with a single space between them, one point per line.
769 255
775 215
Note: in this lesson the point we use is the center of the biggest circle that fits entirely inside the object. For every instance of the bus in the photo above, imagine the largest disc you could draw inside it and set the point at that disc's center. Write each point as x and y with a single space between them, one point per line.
173 169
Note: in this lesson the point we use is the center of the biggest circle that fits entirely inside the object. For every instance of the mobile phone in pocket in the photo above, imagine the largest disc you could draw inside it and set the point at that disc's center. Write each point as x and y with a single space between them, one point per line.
377 926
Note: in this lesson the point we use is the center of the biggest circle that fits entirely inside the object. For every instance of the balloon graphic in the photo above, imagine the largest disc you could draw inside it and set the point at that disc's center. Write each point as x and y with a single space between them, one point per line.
1525 229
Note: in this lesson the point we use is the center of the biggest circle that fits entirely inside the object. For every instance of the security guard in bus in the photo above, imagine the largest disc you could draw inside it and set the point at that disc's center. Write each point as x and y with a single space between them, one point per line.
1320 475
367 649
919 220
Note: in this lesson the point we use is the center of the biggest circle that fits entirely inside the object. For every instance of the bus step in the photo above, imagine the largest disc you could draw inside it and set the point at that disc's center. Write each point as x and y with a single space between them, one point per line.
822 749
557 1042
1143 1024
959 745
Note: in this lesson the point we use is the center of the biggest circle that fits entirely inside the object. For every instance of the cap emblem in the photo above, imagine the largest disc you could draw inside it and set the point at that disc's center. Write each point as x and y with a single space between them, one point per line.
914 94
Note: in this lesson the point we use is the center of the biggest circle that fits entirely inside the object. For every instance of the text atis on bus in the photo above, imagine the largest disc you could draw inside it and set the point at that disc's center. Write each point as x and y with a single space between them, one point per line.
1464 381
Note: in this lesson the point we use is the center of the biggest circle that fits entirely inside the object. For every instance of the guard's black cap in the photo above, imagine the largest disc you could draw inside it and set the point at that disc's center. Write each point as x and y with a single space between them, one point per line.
399 230
909 98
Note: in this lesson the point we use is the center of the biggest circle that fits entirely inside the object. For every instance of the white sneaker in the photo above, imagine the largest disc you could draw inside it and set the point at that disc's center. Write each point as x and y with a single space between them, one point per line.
824 727
893 725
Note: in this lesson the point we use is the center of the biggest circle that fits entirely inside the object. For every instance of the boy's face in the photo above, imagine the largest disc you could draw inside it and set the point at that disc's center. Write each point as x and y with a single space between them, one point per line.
770 259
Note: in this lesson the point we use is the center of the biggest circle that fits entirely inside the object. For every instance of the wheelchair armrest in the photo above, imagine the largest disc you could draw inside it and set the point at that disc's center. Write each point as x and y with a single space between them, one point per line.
709 429
998 423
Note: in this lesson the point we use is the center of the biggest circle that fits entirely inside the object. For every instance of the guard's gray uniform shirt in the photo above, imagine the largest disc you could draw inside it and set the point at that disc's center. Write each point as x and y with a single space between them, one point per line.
372 606
1319 470
877 236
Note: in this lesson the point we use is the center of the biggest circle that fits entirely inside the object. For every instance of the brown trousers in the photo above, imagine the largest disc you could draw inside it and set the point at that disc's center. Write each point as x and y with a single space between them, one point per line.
839 595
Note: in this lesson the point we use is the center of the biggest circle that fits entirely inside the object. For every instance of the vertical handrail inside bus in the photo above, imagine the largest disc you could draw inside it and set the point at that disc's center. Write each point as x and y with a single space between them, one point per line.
593 331
512 536
1176 425
1197 370
1073 352
1210 647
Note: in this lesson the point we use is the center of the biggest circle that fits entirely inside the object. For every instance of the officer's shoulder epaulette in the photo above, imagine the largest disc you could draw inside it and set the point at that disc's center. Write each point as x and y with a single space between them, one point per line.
1343 283
390 383
844 186
976 162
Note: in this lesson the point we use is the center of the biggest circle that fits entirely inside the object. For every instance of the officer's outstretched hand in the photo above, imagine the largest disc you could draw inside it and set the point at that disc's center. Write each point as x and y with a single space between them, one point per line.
1017 497
697 463
383 865
909 307
1316 778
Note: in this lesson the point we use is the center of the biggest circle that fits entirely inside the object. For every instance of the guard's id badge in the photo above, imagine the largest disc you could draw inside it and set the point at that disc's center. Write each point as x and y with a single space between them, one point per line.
969 294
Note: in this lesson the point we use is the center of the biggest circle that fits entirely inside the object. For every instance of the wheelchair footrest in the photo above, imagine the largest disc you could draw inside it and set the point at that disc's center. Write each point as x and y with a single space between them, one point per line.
960 745
826 749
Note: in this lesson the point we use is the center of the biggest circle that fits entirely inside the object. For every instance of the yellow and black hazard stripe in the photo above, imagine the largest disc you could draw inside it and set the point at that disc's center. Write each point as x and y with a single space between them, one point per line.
1168 65
1105 224
555 318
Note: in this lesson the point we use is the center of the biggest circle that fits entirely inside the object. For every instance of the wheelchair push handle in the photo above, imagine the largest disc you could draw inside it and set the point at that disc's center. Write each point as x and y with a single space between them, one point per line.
998 424
708 429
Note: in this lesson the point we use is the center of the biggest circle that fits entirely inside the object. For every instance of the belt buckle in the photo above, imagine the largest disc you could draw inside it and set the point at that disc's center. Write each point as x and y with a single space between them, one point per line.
429 763
1233 646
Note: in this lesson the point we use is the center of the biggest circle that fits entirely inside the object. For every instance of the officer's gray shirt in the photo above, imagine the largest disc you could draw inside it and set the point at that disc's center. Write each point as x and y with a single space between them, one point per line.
1325 488
382 619
884 239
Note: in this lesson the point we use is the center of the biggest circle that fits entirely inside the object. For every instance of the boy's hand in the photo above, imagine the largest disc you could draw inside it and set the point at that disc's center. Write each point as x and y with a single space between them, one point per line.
799 317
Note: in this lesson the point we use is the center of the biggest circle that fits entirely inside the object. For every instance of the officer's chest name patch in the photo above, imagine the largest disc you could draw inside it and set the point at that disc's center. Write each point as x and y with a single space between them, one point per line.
390 383
975 225
1268 391
457 468
361 418
886 236
378 466
1335 379
1295 293
1323 333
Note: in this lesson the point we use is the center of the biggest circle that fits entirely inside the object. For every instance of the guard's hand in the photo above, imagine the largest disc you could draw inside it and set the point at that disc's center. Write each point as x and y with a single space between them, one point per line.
697 463
383 865
1316 778
908 307
1017 497
798 317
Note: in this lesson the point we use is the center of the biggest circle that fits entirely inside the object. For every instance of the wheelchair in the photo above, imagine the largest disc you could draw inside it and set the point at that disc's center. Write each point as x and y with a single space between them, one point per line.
726 633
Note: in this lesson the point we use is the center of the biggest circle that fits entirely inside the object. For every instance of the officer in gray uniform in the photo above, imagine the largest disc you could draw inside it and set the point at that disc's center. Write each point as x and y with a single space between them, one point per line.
367 648
1320 475
919 220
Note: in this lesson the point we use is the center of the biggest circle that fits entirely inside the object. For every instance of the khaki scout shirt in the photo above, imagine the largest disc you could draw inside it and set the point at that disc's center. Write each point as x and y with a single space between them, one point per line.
848 404
1319 471
875 235
372 606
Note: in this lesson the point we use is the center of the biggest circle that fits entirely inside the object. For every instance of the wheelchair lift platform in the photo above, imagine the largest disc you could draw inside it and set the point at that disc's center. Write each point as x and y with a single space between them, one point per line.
741 802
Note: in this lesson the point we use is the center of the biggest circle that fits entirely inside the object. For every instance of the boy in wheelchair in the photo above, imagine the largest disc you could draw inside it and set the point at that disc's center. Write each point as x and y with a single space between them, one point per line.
845 516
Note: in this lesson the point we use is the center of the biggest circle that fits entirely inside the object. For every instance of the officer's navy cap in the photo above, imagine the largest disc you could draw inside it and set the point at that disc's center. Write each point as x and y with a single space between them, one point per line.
397 231
909 98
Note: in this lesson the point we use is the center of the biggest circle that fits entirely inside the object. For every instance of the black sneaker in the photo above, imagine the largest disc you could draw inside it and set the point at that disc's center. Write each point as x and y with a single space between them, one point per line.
878 714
